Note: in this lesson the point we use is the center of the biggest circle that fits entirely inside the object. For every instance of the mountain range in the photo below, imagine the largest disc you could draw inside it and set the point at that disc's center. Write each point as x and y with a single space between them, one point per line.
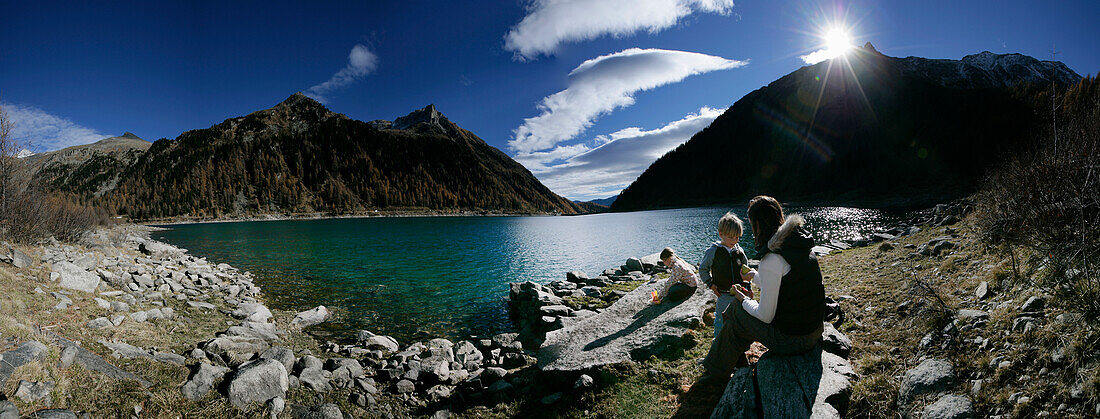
298 157
865 127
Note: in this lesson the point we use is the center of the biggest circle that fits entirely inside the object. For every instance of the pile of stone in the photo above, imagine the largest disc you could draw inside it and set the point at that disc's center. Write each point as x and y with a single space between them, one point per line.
538 309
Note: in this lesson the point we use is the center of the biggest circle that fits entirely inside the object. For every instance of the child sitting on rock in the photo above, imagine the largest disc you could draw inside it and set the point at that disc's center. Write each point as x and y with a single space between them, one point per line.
725 265
682 281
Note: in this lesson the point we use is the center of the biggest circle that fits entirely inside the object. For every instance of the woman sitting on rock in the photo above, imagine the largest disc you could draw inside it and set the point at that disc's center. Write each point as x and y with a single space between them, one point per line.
682 282
789 316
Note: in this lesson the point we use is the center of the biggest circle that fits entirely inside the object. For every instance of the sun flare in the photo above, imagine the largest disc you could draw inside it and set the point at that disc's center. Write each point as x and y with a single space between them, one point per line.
837 42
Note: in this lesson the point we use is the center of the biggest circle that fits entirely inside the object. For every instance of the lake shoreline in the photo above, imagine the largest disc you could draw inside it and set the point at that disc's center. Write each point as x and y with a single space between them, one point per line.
322 216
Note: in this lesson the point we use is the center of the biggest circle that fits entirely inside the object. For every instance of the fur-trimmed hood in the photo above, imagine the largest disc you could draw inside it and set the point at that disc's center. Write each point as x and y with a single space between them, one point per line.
791 235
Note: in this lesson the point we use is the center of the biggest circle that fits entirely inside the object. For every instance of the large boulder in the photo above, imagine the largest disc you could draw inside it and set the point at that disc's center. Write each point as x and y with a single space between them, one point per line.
630 329
951 406
258 381
18 258
814 384
372 341
313 317
253 312
202 380
15 358
75 278
930 376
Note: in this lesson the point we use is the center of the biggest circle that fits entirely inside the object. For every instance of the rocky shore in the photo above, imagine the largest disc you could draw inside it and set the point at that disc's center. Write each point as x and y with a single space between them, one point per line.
260 362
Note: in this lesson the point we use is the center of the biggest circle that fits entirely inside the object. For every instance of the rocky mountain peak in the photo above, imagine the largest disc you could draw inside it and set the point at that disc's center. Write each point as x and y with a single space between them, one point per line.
428 115
870 48
130 135
299 102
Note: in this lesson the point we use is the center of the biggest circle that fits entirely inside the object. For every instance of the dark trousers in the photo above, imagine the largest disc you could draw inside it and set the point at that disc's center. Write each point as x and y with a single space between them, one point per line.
740 329
679 292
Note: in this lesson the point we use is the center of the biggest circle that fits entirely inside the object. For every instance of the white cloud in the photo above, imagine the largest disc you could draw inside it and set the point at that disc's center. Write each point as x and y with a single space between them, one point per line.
361 61
39 130
603 84
584 173
550 23
816 56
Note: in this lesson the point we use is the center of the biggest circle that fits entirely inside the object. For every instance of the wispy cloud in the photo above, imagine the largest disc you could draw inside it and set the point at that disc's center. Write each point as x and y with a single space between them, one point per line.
361 61
603 84
38 130
550 23
583 173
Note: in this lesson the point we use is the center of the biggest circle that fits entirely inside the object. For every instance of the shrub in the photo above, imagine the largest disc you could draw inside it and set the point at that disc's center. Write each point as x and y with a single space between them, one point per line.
1047 199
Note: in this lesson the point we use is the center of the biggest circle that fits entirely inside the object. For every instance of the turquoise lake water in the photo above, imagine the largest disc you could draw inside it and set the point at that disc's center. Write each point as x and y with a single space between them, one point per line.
422 277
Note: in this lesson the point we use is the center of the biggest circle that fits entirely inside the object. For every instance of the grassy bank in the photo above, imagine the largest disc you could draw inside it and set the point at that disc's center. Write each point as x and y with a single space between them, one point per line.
892 299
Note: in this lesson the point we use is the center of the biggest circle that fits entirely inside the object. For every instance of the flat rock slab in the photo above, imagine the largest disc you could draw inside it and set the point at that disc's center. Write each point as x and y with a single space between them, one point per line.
91 361
815 384
630 329
15 358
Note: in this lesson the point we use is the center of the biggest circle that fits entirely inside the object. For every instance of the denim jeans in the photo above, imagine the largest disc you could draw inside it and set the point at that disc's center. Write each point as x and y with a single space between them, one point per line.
723 302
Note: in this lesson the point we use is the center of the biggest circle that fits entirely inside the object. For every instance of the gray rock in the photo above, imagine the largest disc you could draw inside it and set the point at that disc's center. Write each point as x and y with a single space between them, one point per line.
835 342
493 373
257 381
949 406
739 398
18 258
8 410
552 398
75 278
168 357
68 355
52 414
309 361
125 350
15 358
500 386
824 384
1033 304
576 276
253 312
634 264
371 341
33 391
202 379
405 386
275 406
91 361
631 329
982 291
592 291
931 376
235 350
313 317
99 323
316 379
583 382
323 411
970 315
283 355
362 400
86 262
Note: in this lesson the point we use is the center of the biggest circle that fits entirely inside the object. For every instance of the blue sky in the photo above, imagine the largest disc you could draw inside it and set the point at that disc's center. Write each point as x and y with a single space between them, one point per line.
584 93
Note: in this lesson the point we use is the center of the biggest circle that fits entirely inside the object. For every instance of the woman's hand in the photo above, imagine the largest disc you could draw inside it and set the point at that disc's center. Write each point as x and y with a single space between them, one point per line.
741 293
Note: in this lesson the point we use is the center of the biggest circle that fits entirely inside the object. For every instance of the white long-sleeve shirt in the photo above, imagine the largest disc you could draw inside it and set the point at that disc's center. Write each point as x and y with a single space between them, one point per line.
769 277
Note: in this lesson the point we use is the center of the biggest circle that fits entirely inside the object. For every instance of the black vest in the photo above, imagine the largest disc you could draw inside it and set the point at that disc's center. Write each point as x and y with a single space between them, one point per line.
800 309
725 270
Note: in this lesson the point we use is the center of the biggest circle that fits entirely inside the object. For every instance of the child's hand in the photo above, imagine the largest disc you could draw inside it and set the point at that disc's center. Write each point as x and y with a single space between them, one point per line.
714 288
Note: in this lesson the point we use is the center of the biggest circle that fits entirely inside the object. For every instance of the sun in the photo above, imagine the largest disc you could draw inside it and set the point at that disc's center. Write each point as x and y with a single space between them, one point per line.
837 42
